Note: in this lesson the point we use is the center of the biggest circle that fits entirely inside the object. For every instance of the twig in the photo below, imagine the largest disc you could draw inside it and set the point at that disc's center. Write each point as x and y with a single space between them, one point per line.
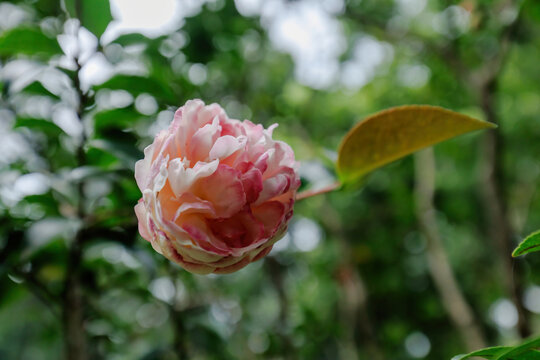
312 192
452 298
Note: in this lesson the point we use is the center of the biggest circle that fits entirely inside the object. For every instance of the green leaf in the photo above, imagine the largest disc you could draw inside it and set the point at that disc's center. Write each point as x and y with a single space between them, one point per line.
528 355
37 88
27 41
395 133
116 118
47 7
41 125
518 352
11 292
487 353
139 84
131 39
87 172
128 154
94 15
530 244
531 355
524 351
45 201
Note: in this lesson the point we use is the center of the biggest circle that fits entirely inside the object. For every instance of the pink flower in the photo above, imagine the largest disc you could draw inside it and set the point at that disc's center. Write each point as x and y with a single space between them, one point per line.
217 192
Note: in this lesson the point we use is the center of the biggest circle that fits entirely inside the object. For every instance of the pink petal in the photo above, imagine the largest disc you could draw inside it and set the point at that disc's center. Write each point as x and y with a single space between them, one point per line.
252 183
191 204
271 128
238 231
196 268
140 211
254 132
271 215
182 177
261 162
197 255
188 119
283 156
201 234
142 168
202 141
242 262
223 189
226 146
276 185
231 127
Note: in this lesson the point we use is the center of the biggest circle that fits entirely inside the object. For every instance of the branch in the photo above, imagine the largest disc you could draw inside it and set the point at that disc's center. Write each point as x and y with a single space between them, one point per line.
73 309
354 300
451 296
276 273
492 180
180 332
40 291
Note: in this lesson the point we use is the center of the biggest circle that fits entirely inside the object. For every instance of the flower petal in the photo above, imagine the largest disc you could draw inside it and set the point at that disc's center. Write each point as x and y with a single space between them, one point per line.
234 267
252 183
201 234
237 231
142 218
182 177
223 189
225 146
270 214
190 204
142 168
202 141
276 185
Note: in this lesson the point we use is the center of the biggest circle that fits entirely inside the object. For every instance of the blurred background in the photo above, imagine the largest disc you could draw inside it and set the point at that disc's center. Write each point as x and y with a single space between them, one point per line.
416 265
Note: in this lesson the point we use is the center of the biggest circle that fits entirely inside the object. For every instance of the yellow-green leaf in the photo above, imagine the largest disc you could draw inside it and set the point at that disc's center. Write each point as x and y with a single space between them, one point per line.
394 133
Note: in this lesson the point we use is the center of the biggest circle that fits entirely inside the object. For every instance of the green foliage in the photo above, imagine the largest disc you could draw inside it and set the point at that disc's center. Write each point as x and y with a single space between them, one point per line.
94 15
41 125
524 351
137 85
122 118
530 244
37 88
488 353
28 41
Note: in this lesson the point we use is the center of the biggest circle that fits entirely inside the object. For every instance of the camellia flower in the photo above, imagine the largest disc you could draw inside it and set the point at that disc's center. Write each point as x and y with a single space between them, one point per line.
217 192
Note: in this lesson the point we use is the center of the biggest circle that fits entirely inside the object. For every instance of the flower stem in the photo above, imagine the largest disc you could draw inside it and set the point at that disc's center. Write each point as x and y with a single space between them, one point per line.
312 192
